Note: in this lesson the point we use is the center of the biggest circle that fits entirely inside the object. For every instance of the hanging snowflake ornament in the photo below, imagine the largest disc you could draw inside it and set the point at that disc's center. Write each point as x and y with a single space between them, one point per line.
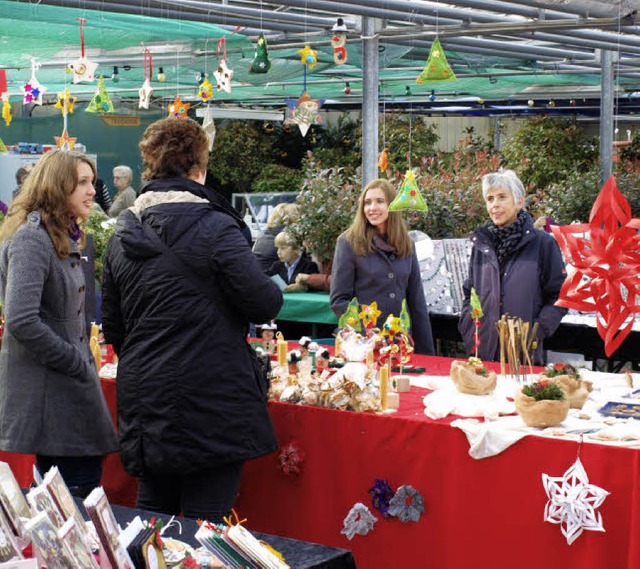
573 502
409 196
223 76
101 102
381 494
308 56
178 109
32 90
205 90
82 68
407 504
260 63
209 126
65 102
304 112
359 520
606 279
6 109
437 67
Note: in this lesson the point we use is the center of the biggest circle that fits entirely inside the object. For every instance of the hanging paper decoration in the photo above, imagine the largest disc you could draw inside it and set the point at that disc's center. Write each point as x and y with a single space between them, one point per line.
304 112
65 102
339 42
606 279
101 102
308 56
409 196
383 160
3 147
261 63
32 90
573 502
146 90
359 520
223 76
437 67
178 109
6 109
407 504
209 127
83 69
205 90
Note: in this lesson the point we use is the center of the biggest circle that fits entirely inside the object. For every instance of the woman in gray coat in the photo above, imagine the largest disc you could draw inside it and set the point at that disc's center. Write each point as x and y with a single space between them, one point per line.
375 261
51 402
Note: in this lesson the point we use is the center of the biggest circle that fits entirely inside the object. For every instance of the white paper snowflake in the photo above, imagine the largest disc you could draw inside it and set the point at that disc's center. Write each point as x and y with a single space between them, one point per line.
573 502
359 520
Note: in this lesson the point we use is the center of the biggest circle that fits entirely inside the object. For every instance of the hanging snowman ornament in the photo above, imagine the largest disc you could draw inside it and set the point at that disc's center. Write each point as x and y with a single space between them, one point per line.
82 68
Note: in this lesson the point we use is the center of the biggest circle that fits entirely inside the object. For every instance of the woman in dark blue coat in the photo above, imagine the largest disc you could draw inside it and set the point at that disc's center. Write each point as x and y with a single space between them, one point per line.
375 260
516 269
180 287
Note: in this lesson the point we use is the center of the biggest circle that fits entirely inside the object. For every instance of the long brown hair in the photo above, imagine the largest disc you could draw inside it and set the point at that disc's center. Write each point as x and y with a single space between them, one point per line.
360 232
46 190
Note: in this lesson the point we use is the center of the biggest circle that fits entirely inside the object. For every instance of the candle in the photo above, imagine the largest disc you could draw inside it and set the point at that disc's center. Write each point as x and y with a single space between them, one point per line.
338 345
370 358
384 387
282 350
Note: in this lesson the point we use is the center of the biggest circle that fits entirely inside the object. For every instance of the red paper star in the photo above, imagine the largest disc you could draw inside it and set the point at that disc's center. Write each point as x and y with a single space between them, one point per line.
607 263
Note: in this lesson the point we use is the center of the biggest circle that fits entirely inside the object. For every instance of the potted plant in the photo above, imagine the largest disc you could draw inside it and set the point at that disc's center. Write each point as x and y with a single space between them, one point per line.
542 403
568 378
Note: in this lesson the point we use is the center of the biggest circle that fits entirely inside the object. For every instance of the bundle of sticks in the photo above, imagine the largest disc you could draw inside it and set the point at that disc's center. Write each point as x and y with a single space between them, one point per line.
518 340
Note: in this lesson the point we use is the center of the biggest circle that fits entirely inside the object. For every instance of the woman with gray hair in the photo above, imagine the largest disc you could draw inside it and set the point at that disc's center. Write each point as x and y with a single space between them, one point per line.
516 269
122 177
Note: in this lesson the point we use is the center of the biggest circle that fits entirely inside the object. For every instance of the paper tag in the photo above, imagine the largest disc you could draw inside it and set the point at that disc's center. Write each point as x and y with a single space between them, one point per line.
21 564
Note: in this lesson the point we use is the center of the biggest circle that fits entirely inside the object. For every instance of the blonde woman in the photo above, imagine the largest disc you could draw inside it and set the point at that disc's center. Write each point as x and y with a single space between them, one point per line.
51 403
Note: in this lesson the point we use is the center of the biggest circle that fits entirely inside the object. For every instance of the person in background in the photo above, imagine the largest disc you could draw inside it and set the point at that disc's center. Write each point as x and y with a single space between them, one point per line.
192 395
515 269
292 261
375 260
51 402
264 248
103 197
122 177
320 281
21 176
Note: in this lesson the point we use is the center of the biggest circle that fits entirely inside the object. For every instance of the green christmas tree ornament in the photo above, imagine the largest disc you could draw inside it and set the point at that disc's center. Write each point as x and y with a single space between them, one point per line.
261 63
101 102
351 316
3 148
409 196
437 67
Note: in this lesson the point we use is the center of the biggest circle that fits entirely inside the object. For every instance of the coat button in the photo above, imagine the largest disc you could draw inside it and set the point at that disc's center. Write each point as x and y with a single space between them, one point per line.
392 295
392 257
390 275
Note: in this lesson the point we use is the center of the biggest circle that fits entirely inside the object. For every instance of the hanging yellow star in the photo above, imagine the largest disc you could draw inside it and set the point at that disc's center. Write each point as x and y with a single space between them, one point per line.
391 326
369 314
205 90
65 142
65 101
308 56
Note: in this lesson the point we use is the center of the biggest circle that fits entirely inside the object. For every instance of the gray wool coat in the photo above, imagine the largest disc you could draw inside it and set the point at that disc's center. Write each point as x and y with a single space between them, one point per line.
51 402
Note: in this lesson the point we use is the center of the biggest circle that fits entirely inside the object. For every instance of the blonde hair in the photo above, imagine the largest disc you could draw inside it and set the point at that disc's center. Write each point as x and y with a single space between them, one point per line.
360 232
47 189
283 214
285 239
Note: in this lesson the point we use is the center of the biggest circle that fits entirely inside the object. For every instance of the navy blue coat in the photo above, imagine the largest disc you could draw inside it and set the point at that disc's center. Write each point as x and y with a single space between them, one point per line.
386 279
527 288
190 390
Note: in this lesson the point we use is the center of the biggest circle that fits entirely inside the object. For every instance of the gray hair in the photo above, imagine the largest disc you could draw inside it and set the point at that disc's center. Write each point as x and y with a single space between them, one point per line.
124 171
505 179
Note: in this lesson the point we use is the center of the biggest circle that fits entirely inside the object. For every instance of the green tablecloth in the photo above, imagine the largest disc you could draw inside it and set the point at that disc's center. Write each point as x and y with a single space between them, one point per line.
307 307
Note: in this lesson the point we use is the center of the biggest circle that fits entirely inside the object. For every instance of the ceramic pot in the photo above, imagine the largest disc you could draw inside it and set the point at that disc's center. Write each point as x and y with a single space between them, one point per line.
544 413
467 381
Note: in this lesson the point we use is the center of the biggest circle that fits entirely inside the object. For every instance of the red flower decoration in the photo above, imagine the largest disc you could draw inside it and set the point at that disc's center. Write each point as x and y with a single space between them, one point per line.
607 264
290 459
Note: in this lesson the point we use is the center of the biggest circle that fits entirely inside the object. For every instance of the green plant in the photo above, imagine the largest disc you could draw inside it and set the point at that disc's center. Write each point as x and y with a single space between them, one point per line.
277 178
544 389
101 228
555 369
406 138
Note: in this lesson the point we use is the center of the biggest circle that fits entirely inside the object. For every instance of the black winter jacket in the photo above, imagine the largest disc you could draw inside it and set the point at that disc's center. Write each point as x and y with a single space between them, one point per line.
190 390
528 288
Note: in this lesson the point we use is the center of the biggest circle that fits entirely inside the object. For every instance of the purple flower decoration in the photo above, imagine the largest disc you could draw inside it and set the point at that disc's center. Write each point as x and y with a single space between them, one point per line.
407 504
381 494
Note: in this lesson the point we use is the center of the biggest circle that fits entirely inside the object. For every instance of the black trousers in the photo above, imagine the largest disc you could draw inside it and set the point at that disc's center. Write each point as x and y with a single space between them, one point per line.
208 495
80 473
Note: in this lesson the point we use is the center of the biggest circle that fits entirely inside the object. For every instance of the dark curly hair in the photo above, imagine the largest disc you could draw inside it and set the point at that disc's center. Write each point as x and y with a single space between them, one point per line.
174 148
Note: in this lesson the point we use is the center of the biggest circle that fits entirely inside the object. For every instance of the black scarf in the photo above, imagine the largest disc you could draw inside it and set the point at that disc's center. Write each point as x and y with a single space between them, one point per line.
506 238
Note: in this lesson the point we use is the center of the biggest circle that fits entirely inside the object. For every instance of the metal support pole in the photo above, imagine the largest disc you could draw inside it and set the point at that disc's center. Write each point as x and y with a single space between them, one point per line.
370 75
606 114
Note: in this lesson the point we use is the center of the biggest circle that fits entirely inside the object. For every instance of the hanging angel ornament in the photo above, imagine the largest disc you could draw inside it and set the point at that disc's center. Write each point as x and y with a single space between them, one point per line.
82 68
260 63
6 109
409 196
339 42
101 102
146 90
223 76
178 109
32 90
304 112
437 67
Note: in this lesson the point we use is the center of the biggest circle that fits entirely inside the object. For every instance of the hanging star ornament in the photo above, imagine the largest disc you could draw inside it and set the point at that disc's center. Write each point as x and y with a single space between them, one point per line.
178 109
209 126
6 109
437 67
308 56
605 255
260 63
83 70
573 502
205 90
65 102
409 196
101 102
145 93
32 90
304 112
64 141
223 76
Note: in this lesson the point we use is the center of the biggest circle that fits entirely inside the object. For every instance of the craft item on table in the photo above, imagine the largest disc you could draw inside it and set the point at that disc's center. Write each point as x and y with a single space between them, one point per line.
359 520
205 90
209 126
12 499
212 537
339 42
409 196
175 551
351 316
407 504
101 102
290 459
368 315
606 279
437 67
304 343
281 345
223 76
10 549
259 552
74 537
473 377
304 112
32 90
294 357
542 404
620 410
63 499
178 109
82 68
6 109
260 63
401 383
383 160
41 500
393 401
383 380
46 543
267 334
517 343
308 56
488 438
568 378
322 360
145 549
381 494
573 502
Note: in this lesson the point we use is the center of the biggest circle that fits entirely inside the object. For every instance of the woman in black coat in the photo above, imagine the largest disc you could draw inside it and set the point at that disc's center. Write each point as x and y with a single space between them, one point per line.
180 287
